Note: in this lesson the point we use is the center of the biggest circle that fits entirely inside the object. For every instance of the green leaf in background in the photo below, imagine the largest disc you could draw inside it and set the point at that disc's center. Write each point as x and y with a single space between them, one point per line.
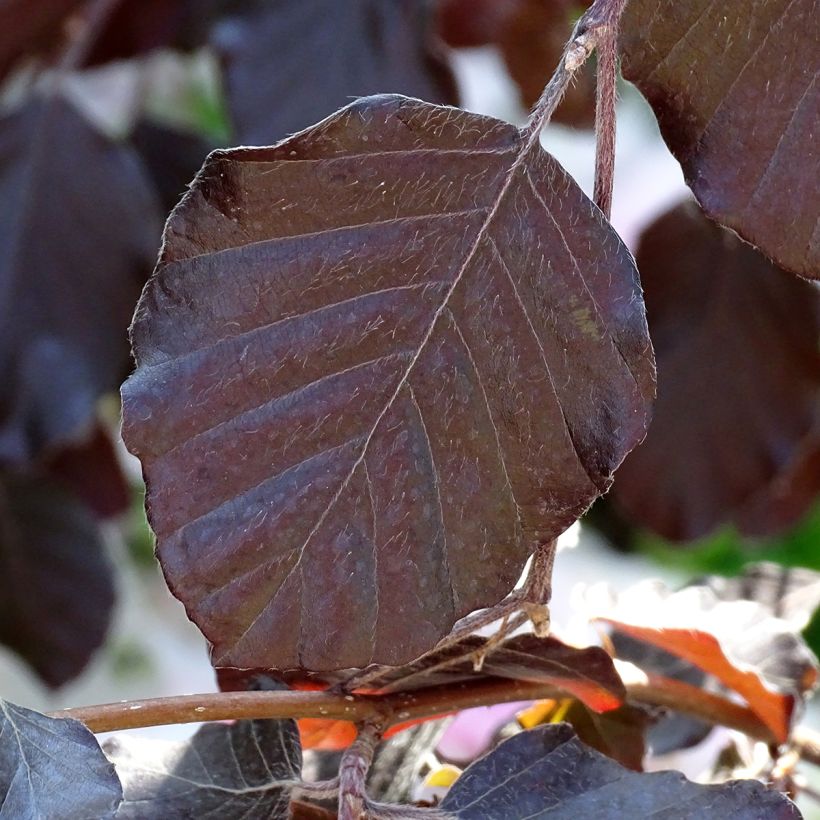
727 552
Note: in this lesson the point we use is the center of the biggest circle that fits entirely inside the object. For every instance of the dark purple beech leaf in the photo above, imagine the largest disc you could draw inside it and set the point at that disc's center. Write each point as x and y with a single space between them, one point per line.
53 768
290 63
56 584
738 377
91 471
245 769
587 674
78 233
734 87
548 773
28 25
377 364
782 503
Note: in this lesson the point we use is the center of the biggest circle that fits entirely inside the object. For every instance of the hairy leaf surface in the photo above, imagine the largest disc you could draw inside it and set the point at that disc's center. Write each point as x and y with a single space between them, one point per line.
377 364
734 87
56 583
52 768
549 773
78 232
315 55
243 770
738 380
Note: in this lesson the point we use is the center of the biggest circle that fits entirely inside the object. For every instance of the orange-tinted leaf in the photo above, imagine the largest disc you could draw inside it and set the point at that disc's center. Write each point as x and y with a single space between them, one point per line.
328 735
754 654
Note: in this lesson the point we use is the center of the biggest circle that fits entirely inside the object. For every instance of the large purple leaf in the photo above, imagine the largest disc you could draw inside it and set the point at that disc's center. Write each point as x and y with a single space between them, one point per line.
734 86
548 773
377 364
79 229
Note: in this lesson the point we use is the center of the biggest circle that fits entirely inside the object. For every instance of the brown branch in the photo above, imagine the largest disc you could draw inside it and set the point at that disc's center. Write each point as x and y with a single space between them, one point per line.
397 708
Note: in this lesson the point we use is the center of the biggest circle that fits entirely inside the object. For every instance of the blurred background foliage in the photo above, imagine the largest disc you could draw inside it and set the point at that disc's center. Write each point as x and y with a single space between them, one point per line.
165 82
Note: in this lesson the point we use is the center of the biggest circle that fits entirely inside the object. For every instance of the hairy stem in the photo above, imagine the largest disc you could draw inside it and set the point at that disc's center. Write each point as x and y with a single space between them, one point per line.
605 97
597 30
354 767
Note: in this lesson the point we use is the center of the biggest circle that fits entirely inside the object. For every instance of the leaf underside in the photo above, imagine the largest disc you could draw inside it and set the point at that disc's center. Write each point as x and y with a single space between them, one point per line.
734 87
242 770
52 768
377 364
739 642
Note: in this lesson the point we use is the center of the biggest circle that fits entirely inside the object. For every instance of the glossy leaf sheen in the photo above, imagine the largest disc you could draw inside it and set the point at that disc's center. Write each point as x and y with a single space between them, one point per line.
738 378
53 769
56 583
734 87
224 770
377 364
316 55
78 232
548 773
